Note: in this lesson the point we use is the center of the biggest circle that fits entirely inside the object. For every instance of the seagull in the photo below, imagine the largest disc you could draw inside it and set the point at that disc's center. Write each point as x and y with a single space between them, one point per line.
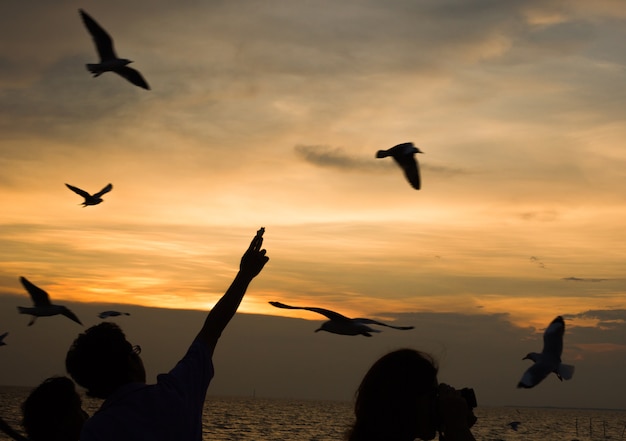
94 199
42 306
404 155
339 324
513 425
2 343
550 358
106 314
108 59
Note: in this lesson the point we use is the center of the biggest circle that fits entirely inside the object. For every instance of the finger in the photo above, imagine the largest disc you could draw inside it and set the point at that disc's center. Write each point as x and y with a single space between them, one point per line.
256 242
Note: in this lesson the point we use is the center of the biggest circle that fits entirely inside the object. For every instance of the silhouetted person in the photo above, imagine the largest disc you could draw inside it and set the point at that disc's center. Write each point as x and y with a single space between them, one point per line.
108 366
400 399
52 412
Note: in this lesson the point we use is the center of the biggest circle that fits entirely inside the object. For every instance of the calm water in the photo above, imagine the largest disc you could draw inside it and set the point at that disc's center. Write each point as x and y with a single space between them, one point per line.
297 420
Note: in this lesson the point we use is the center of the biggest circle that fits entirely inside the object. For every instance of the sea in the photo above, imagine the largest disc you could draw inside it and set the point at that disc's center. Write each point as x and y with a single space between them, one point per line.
254 418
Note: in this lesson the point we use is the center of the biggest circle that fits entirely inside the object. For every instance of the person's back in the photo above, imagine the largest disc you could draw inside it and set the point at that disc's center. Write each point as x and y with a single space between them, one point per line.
171 409
109 367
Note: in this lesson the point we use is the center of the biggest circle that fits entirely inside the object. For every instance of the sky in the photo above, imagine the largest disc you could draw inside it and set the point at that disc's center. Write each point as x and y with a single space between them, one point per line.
270 114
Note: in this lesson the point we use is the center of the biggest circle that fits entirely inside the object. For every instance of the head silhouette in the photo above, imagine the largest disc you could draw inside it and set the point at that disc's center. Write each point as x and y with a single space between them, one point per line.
53 412
394 400
101 360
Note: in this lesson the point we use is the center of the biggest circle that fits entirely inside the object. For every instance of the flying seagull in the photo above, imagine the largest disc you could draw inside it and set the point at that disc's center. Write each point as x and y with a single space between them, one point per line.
106 314
94 199
109 62
550 358
404 155
339 324
42 306
514 424
2 343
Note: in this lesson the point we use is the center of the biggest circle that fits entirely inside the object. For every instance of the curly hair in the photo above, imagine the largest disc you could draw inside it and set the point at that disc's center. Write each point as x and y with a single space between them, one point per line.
98 360
386 400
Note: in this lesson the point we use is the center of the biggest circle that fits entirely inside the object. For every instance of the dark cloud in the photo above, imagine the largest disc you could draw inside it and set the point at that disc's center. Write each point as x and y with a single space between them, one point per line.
581 279
609 328
66 101
325 156
336 157
538 262
542 216
482 351
607 318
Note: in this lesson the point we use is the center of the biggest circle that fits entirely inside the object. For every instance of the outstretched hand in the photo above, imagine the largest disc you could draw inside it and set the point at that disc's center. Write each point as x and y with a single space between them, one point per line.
254 259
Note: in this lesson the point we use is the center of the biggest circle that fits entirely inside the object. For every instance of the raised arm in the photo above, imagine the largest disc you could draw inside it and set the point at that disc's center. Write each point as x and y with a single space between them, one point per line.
252 262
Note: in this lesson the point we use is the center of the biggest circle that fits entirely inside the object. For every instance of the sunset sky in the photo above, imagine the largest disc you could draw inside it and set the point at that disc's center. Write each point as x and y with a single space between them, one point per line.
270 114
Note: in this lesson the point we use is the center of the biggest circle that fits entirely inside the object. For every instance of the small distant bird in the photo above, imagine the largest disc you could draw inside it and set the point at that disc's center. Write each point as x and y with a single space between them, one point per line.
513 425
549 360
2 343
339 324
109 62
94 199
106 314
42 306
404 155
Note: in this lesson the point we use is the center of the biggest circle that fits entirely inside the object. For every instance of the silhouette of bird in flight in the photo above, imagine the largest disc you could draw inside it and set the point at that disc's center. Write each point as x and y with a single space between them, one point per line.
105 314
42 306
340 324
94 199
550 358
404 155
109 62
2 343
514 425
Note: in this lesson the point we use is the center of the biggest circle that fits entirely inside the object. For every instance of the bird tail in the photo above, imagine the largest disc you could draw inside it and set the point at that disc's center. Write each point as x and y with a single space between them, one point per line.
566 371
21 310
93 68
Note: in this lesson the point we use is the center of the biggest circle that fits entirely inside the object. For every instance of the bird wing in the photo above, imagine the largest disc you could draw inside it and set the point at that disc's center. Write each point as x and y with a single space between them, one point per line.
105 314
38 295
106 189
535 374
133 76
566 371
332 315
77 190
70 315
553 338
411 170
3 335
103 41
367 321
